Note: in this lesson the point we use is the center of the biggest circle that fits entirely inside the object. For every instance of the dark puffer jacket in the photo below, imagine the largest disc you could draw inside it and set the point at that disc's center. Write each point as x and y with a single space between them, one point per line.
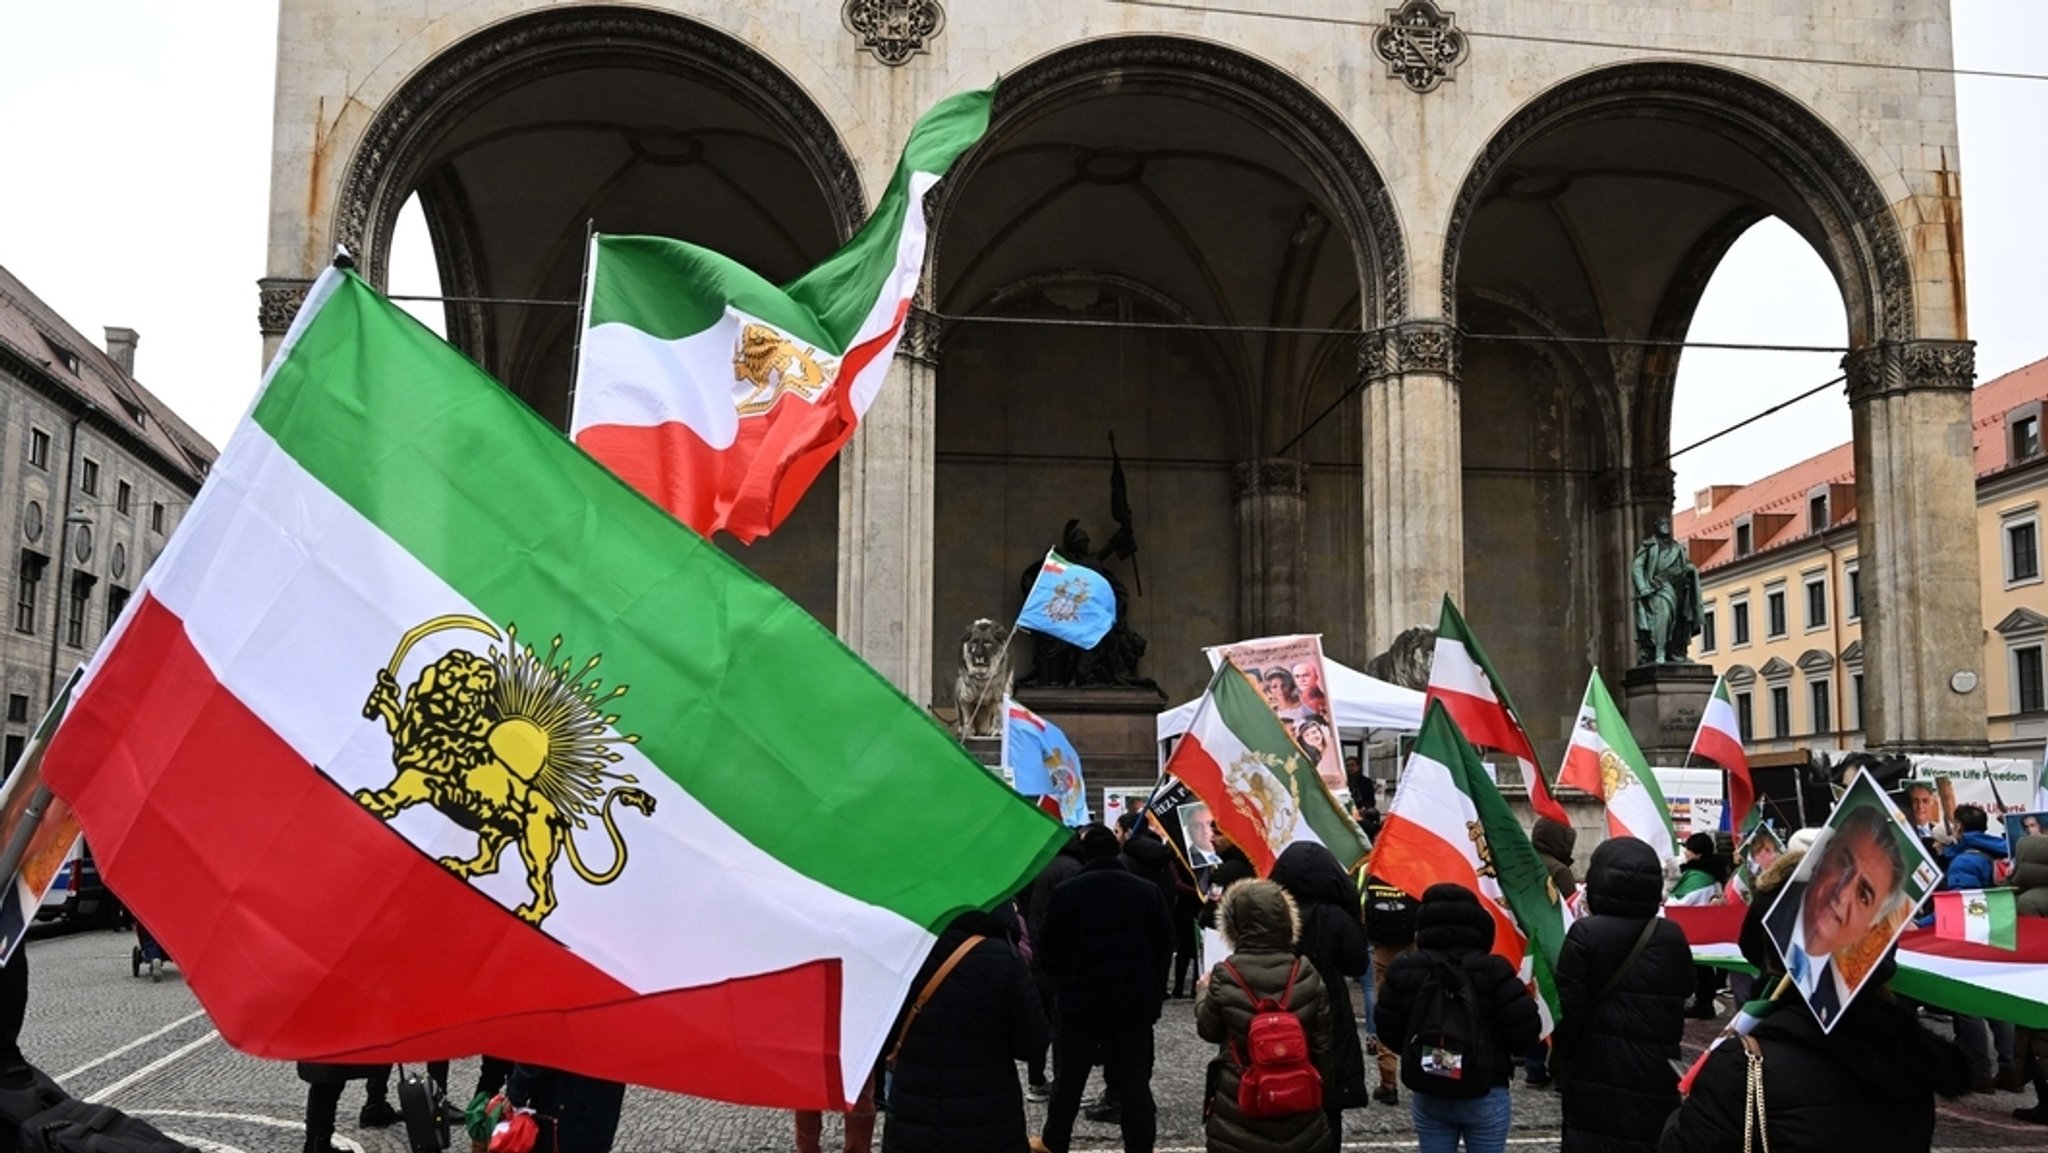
1333 940
1612 1053
1261 922
1554 841
1971 862
2030 875
1450 922
1868 1086
1107 940
955 1089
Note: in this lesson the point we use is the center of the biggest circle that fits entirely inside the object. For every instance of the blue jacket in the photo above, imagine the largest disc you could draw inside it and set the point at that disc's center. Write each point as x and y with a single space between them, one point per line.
1970 859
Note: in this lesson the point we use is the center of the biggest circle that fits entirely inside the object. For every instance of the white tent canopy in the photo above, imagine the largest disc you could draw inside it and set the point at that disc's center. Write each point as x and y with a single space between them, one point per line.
1360 702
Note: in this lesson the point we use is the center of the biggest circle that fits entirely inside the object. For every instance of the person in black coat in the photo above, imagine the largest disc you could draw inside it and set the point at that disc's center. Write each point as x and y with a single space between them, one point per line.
1064 866
575 1114
1869 1085
1333 940
1450 924
1107 940
955 1085
1612 1051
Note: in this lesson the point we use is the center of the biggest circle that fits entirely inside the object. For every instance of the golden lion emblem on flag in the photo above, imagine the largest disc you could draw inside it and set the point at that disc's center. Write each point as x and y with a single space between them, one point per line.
772 364
512 745
1614 774
1257 792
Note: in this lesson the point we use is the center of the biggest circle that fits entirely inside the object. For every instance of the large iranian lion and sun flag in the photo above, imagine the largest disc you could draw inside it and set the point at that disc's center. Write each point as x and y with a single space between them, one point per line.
722 396
426 736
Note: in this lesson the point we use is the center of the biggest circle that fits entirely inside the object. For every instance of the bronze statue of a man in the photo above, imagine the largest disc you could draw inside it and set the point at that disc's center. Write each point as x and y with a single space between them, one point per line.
1667 598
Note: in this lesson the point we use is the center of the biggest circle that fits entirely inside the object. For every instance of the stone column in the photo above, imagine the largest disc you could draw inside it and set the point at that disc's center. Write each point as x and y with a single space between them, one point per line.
1923 615
885 519
1272 545
1414 484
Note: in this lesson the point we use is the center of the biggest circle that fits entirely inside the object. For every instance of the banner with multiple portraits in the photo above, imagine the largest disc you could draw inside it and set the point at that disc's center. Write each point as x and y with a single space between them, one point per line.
1289 671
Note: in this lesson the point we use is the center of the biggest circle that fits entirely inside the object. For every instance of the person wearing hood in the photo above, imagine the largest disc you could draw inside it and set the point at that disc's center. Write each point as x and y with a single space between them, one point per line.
1108 941
2030 1046
1451 925
1232 866
955 1085
1971 862
1554 841
1622 978
1262 925
1333 941
1868 1085
1701 877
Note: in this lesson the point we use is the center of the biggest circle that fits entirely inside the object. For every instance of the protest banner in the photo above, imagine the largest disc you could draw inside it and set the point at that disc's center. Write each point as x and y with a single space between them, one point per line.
1755 854
1289 671
1852 895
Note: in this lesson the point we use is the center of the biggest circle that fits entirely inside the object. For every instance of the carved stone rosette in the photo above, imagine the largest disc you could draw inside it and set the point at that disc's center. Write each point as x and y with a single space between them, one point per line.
1419 346
279 299
1421 45
1894 367
894 30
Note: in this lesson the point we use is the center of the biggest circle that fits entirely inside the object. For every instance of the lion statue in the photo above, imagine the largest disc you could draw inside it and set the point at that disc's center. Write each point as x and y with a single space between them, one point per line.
1406 662
456 750
984 679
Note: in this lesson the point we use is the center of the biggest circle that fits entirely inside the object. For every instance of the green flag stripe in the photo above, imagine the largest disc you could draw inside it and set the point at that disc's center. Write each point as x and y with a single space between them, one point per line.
670 289
749 704
1615 731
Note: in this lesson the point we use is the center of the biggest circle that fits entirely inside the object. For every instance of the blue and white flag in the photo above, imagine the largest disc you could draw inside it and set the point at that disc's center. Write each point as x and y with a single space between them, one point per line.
1069 601
1043 763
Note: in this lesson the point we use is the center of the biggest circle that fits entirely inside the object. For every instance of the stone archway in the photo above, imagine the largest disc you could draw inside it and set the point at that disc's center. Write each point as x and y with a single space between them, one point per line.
1141 210
1606 203
625 119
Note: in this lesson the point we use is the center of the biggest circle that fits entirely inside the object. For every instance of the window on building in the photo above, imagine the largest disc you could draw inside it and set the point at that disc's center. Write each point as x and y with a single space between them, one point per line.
1856 697
1745 717
1774 613
117 599
75 613
2026 680
2022 551
1740 609
124 497
1855 577
17 707
1781 710
1707 631
1817 513
39 448
1821 706
16 745
2026 438
26 589
1816 602
156 516
1745 539
89 476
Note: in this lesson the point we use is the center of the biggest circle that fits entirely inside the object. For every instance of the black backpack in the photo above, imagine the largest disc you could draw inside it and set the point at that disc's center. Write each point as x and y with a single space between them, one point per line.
1449 1048
1389 913
81 1127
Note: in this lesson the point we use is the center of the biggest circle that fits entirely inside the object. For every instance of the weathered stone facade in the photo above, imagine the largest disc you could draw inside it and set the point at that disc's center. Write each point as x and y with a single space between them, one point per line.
1474 225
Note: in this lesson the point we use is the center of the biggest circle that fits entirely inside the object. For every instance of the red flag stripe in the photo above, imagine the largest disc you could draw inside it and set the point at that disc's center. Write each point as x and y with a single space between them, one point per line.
1196 767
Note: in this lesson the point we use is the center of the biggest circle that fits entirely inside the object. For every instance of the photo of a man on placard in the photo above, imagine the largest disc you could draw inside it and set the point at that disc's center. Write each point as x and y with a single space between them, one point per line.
1849 899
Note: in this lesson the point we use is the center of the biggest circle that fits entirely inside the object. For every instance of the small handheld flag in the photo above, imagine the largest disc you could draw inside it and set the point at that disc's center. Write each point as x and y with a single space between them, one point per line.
1069 601
1979 916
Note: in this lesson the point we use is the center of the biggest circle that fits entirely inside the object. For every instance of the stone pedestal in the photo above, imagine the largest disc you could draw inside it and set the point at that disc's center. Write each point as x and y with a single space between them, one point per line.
1664 703
1114 730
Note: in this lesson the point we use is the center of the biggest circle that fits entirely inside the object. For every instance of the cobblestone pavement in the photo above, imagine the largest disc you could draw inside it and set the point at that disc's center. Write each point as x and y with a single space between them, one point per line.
149 1049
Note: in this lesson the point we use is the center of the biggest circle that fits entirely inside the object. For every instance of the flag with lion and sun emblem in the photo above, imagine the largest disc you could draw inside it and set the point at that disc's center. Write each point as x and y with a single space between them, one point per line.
722 396
426 736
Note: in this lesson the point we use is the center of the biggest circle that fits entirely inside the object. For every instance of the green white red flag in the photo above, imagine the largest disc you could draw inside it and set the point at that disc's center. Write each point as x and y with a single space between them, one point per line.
1979 916
1719 742
722 396
1263 793
1449 823
426 736
1604 760
1463 680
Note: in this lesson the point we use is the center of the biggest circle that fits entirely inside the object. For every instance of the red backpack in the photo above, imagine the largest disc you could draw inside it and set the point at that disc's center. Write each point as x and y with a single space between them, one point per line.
1275 1075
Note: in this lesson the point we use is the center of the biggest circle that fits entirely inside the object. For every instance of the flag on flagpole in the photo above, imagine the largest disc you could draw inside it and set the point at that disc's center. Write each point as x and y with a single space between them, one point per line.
1263 793
1603 760
721 396
1449 823
1719 741
1980 916
1070 601
425 735
1044 763
1463 679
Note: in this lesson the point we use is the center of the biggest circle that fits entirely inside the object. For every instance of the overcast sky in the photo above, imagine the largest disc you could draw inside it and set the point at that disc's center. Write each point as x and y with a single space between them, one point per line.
134 190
